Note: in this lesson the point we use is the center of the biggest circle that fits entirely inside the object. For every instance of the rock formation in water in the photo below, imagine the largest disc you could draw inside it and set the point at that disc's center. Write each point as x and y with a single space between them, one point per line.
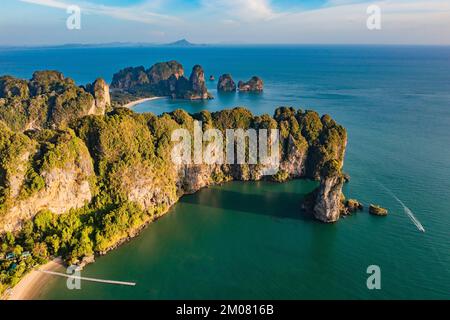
226 83
49 100
328 205
377 210
197 87
352 205
162 79
255 84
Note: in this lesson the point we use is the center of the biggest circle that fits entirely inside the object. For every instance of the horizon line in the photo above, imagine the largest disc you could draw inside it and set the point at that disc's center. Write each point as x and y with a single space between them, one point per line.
221 44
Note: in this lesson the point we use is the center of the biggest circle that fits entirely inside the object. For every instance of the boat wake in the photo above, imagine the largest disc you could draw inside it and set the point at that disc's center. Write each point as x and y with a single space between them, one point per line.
408 211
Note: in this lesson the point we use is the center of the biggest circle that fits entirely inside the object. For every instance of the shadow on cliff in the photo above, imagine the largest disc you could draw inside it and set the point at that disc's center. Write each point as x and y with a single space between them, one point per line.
275 204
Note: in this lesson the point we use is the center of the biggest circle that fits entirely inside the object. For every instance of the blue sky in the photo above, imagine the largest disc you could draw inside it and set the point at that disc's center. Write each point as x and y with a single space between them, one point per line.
34 22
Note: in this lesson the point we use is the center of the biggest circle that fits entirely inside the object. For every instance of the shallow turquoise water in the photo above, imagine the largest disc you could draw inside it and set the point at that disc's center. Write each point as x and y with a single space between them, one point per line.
395 104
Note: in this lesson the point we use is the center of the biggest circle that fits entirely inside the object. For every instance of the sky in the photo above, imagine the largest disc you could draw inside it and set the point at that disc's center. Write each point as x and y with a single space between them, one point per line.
43 22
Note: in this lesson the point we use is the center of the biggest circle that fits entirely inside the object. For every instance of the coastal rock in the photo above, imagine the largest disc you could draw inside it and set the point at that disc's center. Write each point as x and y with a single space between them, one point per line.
197 85
226 83
192 178
377 210
352 206
85 261
255 84
328 205
346 177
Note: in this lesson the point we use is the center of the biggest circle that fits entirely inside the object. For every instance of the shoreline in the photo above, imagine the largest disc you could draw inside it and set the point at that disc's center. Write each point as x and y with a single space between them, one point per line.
30 285
130 105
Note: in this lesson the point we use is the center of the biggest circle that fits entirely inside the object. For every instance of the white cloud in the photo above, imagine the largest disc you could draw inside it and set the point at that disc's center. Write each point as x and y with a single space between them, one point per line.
403 22
240 10
138 13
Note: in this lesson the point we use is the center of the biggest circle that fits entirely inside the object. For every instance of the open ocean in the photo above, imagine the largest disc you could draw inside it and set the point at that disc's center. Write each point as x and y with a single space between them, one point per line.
248 240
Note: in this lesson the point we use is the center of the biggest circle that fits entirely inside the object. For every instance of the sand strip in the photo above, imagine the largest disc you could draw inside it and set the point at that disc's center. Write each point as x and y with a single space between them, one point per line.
134 103
34 281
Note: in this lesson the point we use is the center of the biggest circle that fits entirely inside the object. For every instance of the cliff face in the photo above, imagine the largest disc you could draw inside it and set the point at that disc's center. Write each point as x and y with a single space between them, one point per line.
328 205
48 100
52 171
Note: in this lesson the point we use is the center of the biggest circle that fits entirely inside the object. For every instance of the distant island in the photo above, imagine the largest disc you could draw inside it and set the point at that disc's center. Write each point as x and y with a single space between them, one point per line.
183 43
178 43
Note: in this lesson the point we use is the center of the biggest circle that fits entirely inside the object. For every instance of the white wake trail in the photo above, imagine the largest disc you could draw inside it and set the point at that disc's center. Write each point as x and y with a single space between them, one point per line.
408 211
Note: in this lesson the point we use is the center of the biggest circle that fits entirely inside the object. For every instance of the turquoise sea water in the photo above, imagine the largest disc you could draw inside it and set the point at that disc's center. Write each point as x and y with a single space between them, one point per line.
248 240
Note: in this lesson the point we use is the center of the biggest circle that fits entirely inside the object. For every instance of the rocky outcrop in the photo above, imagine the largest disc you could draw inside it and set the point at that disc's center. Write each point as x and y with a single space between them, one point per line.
352 205
102 99
226 83
377 210
197 89
255 84
328 204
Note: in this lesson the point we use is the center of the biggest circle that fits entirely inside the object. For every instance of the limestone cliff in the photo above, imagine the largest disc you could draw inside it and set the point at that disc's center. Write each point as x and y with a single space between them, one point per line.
51 170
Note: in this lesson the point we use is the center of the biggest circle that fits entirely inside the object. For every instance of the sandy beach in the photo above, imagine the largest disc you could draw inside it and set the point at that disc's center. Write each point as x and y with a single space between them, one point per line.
33 282
134 103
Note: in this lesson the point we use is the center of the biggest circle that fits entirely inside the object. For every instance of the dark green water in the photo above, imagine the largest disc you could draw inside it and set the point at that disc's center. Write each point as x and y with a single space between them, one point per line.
248 240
